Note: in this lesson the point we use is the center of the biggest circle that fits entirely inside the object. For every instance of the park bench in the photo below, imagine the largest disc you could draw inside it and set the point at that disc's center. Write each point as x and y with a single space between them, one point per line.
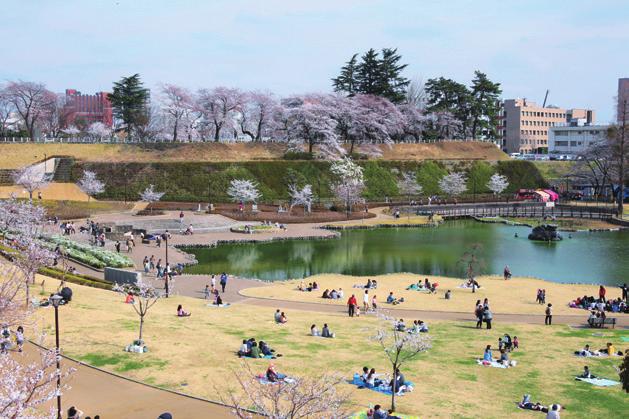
602 322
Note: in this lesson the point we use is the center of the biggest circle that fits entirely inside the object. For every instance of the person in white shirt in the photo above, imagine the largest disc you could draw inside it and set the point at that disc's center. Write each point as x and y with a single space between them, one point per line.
366 301
553 412
340 292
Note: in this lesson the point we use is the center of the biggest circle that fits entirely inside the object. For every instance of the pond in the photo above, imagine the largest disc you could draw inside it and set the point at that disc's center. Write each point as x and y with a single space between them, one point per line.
597 257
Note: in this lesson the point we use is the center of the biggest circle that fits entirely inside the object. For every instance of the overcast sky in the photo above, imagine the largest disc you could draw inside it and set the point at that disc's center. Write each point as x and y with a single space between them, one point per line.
577 49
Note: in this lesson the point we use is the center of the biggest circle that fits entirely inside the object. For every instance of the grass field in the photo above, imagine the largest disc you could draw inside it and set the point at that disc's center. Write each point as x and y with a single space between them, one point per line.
196 353
17 155
52 191
516 295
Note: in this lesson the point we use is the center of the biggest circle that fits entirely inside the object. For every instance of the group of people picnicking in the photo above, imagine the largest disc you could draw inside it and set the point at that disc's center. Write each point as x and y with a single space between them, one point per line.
334 294
370 379
324 333
312 286
506 344
608 350
419 326
250 348
602 304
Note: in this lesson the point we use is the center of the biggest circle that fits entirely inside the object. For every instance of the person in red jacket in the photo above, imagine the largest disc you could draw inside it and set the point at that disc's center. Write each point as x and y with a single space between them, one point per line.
601 293
351 305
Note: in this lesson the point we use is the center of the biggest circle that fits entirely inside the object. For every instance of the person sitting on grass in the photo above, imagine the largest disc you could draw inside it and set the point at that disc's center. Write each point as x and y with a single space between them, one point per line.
504 357
315 286
326 294
334 294
129 299
181 312
371 380
341 293
487 356
265 349
277 316
507 342
244 349
586 373
283 318
218 301
398 384
423 327
448 295
326 332
368 286
527 404
400 326
610 350
392 300
255 350
314 331
309 288
586 351
377 413
271 375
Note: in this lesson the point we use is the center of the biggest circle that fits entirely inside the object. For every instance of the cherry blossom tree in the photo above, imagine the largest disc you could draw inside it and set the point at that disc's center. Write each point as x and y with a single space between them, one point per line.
243 190
408 185
310 122
300 196
497 183
399 346
20 217
56 116
445 124
12 283
71 130
256 116
350 182
30 258
6 110
453 184
98 130
149 195
220 107
145 297
31 101
297 397
31 179
90 184
415 122
176 102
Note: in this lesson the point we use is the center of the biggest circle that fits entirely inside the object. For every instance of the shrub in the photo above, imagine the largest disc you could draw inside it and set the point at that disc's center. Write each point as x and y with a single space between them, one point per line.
379 181
478 176
77 278
428 176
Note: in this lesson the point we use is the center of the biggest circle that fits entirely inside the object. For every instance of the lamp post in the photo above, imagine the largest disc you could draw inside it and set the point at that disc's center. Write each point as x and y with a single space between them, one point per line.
167 273
55 300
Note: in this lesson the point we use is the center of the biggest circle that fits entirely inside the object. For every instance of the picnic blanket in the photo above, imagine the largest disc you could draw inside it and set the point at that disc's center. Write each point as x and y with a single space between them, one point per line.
383 388
219 305
263 357
262 379
599 382
624 338
595 355
414 287
494 364
364 287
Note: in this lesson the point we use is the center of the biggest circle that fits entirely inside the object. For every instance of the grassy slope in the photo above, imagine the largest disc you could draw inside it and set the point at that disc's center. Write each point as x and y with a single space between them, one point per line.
17 155
194 353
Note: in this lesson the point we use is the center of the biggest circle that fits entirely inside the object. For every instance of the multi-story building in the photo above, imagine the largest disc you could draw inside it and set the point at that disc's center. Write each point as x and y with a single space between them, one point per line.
87 109
574 139
525 125
623 94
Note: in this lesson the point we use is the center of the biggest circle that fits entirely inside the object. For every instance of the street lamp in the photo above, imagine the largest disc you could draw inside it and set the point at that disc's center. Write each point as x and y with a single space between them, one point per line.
55 300
165 236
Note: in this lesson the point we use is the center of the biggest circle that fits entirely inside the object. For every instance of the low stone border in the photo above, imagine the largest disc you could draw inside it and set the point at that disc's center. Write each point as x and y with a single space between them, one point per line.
373 226
567 230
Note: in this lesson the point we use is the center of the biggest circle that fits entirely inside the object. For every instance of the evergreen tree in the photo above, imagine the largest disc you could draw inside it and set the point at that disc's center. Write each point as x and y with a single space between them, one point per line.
392 84
447 95
346 81
484 106
129 101
378 74
368 77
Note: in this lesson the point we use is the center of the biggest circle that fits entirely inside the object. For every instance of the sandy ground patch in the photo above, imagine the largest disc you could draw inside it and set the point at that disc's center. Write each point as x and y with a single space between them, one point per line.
516 295
52 191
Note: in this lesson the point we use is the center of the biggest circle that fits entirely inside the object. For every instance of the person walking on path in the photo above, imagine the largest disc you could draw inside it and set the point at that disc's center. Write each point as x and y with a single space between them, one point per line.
117 246
213 281
223 281
181 217
507 273
366 301
625 291
601 293
548 321
478 312
351 305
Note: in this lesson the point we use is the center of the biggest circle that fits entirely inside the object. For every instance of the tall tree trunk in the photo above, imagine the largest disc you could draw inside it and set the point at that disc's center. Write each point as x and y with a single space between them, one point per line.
393 389
621 168
175 130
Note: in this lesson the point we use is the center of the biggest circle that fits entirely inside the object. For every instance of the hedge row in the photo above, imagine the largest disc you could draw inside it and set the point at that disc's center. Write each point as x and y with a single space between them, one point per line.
203 182
78 279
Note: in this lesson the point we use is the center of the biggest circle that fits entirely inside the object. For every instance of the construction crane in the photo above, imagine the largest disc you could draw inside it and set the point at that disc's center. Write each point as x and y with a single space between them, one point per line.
545 98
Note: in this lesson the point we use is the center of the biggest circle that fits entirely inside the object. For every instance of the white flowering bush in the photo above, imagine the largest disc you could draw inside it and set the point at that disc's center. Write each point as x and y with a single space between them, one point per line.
90 255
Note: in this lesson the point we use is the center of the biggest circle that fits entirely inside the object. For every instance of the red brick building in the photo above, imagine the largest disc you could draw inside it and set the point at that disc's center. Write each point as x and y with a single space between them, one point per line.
87 109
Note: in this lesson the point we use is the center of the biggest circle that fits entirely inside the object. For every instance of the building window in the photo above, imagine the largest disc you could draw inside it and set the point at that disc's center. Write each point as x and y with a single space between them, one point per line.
573 143
561 143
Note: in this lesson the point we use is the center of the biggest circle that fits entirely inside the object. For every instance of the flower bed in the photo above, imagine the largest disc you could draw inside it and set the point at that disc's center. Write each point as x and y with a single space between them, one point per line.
90 255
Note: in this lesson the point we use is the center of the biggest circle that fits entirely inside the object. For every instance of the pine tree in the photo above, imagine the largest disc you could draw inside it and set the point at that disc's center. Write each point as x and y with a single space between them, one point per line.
446 95
484 105
346 81
392 84
368 77
129 101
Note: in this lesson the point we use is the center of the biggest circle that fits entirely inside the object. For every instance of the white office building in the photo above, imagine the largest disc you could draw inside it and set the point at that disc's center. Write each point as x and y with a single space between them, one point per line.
573 140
